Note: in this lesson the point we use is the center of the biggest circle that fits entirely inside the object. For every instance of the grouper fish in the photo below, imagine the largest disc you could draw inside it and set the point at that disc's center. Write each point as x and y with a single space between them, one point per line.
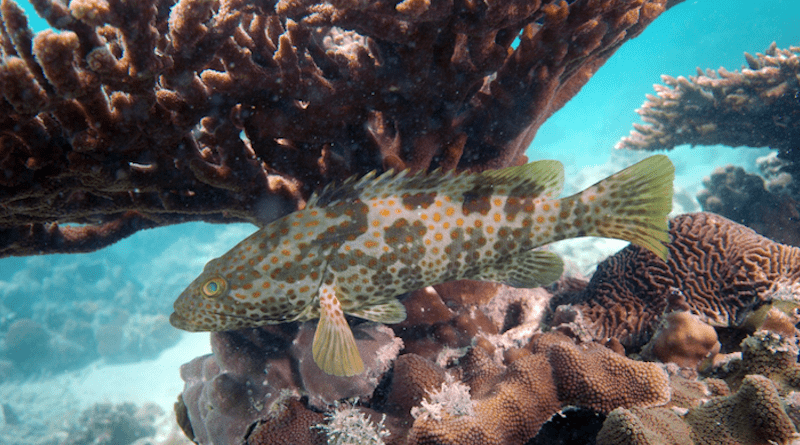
355 247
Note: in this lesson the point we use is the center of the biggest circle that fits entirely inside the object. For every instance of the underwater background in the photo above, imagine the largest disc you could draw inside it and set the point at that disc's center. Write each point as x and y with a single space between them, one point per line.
98 331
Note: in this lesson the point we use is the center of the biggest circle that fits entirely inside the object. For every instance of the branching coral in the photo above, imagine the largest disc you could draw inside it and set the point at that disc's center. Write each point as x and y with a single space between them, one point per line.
131 115
755 107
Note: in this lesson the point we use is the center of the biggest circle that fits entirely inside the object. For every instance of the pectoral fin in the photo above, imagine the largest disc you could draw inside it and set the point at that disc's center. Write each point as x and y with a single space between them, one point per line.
529 269
334 348
389 312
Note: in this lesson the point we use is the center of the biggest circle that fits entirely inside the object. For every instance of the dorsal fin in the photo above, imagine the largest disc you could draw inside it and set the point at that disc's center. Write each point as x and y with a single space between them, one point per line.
541 178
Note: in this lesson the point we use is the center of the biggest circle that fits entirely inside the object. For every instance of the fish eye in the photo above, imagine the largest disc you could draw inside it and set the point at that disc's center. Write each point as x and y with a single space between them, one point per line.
214 287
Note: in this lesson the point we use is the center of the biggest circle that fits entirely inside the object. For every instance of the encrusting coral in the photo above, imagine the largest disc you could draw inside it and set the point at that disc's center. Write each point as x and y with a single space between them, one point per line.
703 411
718 270
131 115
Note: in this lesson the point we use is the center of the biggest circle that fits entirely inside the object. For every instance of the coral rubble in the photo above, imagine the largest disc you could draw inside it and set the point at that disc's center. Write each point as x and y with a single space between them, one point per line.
718 270
131 115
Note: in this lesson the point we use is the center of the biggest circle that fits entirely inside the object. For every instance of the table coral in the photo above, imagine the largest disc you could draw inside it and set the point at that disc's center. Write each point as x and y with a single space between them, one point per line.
717 269
131 115
754 107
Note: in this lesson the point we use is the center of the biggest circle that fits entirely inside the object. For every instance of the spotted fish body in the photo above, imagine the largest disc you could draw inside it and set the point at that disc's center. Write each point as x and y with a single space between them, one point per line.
356 247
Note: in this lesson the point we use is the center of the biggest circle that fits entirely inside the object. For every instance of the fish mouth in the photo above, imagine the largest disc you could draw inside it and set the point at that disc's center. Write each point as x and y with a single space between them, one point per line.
228 322
180 322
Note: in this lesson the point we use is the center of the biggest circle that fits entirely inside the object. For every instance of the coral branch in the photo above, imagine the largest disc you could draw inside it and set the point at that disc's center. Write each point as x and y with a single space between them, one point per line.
228 110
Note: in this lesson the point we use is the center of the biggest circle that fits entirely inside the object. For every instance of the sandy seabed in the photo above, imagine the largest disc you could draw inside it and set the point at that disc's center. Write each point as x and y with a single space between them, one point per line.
47 406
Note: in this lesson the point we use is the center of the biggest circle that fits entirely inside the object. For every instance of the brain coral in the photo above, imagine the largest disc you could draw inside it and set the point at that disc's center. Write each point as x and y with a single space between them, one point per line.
719 270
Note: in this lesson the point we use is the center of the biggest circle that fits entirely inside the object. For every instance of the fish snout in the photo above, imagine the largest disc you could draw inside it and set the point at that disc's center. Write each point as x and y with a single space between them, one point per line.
182 323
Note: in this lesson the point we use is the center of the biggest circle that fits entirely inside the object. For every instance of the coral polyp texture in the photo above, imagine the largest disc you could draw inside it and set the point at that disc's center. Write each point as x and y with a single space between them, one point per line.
758 410
131 115
717 269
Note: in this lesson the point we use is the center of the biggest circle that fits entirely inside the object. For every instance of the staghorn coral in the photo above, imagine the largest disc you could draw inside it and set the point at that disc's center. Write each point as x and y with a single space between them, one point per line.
717 269
132 115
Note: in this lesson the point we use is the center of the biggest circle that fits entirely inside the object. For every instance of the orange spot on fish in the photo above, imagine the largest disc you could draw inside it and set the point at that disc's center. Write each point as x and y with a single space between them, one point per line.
497 202
540 219
497 217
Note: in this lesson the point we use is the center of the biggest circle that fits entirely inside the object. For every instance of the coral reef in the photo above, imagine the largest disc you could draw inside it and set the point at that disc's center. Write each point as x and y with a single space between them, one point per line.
253 372
718 270
755 107
127 116
765 379
106 424
64 314
682 338
745 198
482 399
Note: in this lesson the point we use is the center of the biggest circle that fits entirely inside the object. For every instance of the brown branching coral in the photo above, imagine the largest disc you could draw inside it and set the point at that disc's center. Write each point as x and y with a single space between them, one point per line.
756 107
130 115
717 269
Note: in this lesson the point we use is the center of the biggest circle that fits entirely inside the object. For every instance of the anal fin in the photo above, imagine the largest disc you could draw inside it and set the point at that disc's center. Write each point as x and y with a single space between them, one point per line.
533 268
389 312
334 348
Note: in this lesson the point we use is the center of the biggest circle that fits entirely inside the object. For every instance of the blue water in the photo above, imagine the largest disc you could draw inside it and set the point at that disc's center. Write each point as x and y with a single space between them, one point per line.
149 269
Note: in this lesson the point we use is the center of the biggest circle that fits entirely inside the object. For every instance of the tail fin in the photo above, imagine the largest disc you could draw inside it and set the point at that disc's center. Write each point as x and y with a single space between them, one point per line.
633 205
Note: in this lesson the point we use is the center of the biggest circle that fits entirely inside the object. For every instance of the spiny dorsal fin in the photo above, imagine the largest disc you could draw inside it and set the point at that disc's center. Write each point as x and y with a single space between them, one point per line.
541 178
